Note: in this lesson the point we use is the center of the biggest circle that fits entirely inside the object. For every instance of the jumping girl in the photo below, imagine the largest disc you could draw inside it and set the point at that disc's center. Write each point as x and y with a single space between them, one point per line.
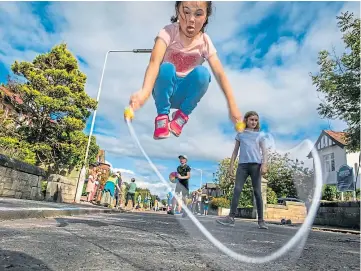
175 75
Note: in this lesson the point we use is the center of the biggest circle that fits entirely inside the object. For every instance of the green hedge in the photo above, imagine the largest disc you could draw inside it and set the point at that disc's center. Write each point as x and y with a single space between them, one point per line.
220 202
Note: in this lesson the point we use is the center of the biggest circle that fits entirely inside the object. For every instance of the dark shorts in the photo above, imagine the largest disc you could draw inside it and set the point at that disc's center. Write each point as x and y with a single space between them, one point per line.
182 186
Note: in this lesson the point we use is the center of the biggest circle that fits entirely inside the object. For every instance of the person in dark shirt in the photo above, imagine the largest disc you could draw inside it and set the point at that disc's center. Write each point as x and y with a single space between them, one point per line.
118 189
183 176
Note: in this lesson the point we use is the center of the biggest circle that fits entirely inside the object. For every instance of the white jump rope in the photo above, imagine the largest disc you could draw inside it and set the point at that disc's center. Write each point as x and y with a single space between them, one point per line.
303 230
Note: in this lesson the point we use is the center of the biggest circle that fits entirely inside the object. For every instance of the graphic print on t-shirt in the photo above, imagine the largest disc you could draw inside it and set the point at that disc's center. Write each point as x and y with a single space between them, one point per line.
183 62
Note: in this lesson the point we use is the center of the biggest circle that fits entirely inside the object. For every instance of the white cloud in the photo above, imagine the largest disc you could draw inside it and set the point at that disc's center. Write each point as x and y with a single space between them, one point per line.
123 170
282 94
110 164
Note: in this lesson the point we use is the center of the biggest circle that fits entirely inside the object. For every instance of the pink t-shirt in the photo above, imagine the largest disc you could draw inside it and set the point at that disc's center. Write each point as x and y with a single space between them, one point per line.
185 58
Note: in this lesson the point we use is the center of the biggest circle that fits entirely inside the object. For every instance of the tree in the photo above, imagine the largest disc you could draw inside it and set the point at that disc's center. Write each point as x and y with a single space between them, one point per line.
339 81
54 100
271 196
226 183
286 178
143 192
17 149
289 178
11 144
280 175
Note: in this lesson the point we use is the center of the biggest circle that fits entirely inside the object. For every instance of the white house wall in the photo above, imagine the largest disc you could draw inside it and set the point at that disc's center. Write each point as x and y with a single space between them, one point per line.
340 159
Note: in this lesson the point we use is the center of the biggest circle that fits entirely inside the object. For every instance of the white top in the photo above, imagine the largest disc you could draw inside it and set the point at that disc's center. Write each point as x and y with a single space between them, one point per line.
250 146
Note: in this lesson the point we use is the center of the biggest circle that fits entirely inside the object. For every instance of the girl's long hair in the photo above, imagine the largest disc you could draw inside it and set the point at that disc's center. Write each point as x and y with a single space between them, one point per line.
250 114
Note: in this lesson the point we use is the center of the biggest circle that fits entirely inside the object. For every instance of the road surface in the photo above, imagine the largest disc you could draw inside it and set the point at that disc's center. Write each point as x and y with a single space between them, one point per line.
145 241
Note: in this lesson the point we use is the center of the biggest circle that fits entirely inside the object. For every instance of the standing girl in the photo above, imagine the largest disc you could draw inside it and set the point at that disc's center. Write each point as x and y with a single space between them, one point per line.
252 162
175 75
206 204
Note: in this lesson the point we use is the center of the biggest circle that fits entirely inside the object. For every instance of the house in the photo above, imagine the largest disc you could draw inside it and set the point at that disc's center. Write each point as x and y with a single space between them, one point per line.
7 99
212 190
330 147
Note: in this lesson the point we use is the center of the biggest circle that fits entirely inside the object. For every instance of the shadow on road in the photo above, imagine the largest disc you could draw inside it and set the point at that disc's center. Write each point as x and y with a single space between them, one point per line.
63 222
19 261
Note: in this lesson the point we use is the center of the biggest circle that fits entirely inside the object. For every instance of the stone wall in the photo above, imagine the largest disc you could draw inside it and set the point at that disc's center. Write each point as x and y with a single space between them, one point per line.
295 211
60 189
250 213
339 214
20 180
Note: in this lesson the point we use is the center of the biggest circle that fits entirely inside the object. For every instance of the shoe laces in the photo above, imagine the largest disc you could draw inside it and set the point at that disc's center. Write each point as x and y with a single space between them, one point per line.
161 123
180 121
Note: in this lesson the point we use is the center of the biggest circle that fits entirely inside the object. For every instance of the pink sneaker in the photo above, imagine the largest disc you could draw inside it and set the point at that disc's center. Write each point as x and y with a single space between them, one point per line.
161 130
179 120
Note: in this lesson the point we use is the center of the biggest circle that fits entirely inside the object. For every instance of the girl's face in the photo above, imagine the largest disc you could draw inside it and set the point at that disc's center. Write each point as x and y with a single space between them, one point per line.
192 16
252 122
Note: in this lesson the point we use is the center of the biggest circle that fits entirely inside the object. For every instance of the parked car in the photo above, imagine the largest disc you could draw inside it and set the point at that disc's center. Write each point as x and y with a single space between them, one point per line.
282 201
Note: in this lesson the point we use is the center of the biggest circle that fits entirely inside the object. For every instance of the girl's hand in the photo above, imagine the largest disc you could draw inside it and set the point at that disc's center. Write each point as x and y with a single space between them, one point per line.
264 168
234 114
137 100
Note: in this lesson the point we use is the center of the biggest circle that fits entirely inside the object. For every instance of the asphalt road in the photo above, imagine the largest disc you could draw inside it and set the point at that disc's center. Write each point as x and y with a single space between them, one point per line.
144 241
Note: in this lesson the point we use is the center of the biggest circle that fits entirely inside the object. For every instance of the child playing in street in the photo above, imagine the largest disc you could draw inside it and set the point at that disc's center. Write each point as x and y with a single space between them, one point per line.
205 205
175 75
252 162
183 176
131 193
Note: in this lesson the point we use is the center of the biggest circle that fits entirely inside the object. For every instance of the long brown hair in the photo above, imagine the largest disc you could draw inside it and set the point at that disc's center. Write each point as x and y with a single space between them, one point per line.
250 114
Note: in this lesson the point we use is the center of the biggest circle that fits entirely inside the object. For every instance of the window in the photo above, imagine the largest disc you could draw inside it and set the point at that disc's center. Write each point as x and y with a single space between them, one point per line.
329 162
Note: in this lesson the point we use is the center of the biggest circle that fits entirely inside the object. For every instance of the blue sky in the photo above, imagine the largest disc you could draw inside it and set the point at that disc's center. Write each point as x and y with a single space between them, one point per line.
268 50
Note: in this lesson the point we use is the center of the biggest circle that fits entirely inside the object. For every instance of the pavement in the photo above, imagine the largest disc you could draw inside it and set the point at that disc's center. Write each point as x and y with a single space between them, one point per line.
11 208
153 241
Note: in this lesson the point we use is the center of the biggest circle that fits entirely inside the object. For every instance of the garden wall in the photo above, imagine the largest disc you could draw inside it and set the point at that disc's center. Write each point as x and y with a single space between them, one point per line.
20 180
60 189
339 214
295 211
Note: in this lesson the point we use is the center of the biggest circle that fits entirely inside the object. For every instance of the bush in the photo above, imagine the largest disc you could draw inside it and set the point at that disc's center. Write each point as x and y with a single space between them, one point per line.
246 198
271 196
17 149
329 192
220 202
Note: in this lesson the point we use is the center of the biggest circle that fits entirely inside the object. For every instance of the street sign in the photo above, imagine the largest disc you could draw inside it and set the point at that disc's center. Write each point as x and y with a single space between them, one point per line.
345 180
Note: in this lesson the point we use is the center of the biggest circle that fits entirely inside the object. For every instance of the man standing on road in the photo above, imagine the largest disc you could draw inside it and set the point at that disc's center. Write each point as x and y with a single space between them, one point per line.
182 187
131 193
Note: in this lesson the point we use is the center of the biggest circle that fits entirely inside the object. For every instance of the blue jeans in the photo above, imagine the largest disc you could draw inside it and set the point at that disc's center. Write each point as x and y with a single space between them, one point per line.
184 93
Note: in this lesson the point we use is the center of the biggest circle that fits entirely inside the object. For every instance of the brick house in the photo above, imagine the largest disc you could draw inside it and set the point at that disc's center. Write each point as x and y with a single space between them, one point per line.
7 99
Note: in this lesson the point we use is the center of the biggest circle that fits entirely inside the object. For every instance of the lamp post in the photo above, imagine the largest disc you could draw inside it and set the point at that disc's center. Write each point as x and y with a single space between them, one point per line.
81 178
201 175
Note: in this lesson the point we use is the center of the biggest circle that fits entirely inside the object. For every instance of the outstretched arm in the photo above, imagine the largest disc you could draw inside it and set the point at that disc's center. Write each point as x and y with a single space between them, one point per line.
138 99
